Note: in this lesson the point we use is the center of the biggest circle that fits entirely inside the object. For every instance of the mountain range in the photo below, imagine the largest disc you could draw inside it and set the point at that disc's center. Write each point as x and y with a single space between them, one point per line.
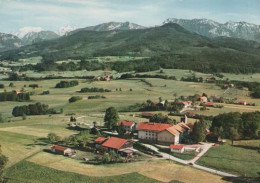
210 28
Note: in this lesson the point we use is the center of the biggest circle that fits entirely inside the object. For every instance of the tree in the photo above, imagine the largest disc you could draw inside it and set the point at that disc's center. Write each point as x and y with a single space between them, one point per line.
198 132
111 118
121 130
3 161
53 138
175 96
11 84
1 118
160 99
233 134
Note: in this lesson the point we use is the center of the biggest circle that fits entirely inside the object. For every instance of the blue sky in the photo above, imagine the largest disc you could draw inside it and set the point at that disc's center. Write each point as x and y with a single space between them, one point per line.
53 14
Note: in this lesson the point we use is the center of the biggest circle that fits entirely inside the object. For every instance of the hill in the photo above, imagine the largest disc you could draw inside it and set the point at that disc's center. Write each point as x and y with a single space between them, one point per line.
9 41
170 43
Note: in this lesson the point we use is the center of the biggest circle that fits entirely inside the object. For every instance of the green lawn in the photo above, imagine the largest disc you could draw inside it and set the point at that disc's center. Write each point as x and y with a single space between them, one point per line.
241 159
30 172
185 155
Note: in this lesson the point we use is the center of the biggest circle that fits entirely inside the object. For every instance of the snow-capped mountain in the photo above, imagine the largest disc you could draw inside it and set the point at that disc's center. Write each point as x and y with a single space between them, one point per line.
65 30
33 37
211 28
25 30
9 41
111 26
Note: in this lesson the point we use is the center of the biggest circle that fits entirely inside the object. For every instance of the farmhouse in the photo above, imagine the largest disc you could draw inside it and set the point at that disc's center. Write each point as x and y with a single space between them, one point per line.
162 133
203 99
16 91
186 104
242 102
61 150
129 126
120 146
210 104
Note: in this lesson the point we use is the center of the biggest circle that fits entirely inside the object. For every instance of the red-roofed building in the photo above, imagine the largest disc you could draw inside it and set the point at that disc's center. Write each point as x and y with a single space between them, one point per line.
147 115
129 126
177 148
61 150
121 146
241 102
162 133
210 104
186 104
203 99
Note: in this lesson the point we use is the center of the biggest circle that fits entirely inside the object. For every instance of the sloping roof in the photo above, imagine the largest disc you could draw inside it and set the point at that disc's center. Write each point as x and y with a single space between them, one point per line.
172 146
126 122
59 148
152 126
173 131
209 104
183 125
100 140
186 103
114 142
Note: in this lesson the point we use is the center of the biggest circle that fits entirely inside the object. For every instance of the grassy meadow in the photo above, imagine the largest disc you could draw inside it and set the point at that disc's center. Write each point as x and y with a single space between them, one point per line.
20 139
242 158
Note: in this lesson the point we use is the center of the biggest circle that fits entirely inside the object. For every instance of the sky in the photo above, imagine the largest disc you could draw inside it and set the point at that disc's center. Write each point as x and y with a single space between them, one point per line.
53 14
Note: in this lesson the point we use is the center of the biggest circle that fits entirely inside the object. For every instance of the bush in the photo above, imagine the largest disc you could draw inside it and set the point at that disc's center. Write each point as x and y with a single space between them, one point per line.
66 84
85 90
12 96
96 97
34 85
74 99
46 92
2 86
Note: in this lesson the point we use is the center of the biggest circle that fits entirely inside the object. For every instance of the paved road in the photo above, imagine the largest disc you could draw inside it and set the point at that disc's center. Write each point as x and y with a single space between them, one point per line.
205 148
168 156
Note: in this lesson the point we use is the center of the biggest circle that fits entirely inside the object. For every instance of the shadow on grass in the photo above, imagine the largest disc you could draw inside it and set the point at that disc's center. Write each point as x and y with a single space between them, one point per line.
248 147
39 142
242 179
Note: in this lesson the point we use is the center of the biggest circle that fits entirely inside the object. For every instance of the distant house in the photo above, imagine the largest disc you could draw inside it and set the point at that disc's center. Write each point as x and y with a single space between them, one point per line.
186 104
162 133
119 145
203 99
129 126
61 150
147 115
242 102
107 78
210 104
177 148
17 91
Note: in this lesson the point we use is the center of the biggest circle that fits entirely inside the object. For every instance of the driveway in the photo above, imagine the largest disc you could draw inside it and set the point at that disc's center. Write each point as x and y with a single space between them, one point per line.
191 162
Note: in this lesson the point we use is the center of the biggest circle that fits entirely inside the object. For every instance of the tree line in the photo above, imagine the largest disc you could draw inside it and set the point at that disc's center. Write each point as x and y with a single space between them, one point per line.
12 96
94 89
32 109
66 84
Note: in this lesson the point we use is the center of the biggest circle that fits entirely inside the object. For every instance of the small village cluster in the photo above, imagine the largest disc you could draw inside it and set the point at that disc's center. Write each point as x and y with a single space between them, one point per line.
147 132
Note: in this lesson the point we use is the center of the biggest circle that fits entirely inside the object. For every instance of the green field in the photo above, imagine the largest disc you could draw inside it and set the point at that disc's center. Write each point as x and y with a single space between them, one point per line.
20 139
242 159
30 172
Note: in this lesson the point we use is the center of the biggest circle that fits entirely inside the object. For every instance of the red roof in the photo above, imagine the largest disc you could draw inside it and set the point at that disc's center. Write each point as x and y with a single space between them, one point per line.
242 102
209 104
172 146
59 148
153 126
114 142
173 131
100 140
126 122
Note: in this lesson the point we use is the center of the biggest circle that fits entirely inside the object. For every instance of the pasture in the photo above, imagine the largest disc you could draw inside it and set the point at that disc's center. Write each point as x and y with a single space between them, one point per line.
242 158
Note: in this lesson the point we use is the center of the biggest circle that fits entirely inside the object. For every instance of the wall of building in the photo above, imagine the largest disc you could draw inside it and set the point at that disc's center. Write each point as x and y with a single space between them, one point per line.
167 138
147 135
